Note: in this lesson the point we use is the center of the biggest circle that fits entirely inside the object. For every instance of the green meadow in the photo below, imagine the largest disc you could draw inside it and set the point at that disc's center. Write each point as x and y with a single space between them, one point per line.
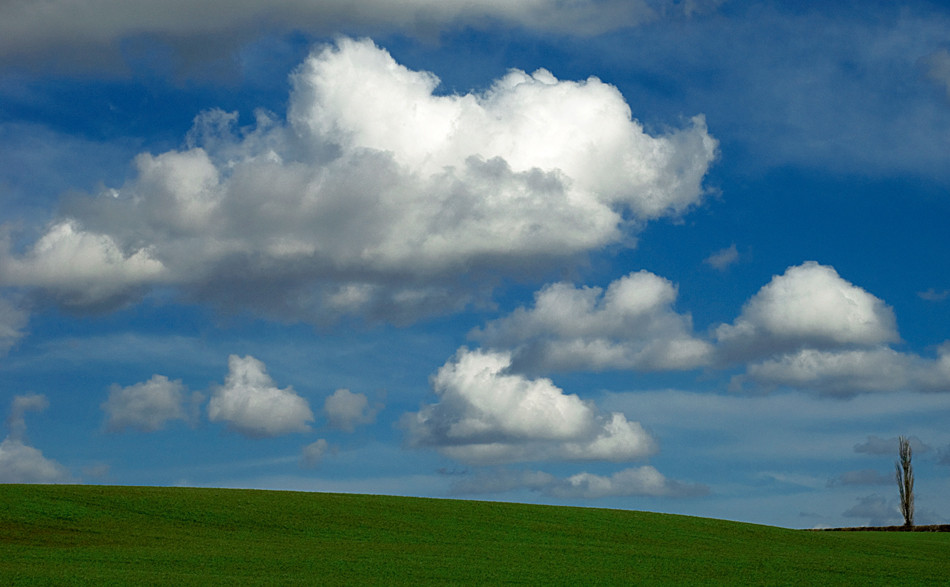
98 535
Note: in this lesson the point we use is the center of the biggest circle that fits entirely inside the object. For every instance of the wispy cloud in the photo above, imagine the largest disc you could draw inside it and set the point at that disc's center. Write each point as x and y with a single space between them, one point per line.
932 295
13 320
636 481
724 258
875 445
313 453
20 462
862 477
937 65
347 410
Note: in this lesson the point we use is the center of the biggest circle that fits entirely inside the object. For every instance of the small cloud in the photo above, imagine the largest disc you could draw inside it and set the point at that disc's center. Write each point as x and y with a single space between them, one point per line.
96 471
786 478
809 306
722 259
16 422
486 415
630 325
876 445
862 477
19 462
346 410
645 481
148 406
252 405
932 295
12 321
810 329
314 452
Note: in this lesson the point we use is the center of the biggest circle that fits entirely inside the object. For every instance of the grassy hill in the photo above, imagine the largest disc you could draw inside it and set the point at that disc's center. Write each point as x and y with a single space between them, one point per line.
148 535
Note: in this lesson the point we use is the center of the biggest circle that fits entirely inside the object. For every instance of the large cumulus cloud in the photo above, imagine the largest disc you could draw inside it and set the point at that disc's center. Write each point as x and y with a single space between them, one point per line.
811 306
373 197
811 329
487 416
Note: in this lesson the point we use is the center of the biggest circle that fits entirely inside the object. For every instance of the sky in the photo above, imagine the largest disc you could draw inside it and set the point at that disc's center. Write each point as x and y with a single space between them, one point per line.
676 256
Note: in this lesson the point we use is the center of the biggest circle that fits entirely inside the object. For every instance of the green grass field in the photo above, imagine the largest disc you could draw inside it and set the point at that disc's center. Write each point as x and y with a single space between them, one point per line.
101 535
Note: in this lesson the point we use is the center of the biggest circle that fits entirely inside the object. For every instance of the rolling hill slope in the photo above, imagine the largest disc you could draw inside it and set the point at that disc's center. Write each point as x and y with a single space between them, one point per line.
150 535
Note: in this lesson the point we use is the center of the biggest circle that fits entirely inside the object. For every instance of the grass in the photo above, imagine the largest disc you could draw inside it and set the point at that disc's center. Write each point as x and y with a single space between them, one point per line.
98 535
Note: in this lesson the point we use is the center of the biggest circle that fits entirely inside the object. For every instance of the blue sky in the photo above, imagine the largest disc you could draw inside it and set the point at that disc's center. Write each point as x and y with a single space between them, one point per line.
675 256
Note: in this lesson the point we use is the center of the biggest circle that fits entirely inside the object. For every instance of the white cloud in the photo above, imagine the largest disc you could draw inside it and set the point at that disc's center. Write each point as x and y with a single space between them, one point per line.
372 196
20 462
631 325
810 329
646 481
849 372
722 259
835 372
12 322
806 329
314 452
79 32
16 422
147 406
80 268
811 306
486 416
251 404
583 129
346 410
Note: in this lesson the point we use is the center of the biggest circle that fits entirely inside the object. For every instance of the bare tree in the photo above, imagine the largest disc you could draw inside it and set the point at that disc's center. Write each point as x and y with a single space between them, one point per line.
905 480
